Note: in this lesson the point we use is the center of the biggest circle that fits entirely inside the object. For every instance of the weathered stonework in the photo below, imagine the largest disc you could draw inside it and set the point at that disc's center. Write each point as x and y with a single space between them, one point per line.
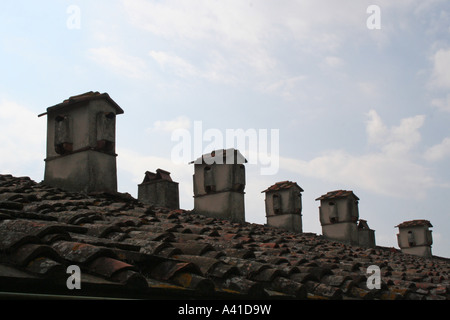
284 206
415 238
338 216
219 183
158 189
366 236
81 144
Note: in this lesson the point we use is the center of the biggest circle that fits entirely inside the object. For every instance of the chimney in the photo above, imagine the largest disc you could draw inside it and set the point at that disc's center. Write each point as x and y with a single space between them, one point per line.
338 216
81 146
366 236
159 190
415 238
219 183
284 206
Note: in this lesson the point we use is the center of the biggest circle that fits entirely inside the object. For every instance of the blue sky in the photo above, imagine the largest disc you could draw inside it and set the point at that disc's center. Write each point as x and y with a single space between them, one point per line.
357 109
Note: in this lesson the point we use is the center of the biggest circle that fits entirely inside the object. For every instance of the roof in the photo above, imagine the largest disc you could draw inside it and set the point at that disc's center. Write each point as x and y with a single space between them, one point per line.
337 194
282 185
414 223
127 249
227 156
159 175
87 96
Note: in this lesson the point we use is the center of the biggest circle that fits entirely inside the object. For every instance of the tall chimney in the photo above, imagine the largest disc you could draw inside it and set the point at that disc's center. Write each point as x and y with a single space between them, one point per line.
81 144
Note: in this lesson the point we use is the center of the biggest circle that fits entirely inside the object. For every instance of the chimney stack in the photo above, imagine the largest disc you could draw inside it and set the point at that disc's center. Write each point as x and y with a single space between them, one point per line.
81 144
159 189
284 206
415 238
219 183
338 215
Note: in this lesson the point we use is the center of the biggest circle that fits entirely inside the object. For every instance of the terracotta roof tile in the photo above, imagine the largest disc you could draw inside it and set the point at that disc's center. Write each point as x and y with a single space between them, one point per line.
168 268
126 248
47 267
28 252
78 252
11 240
80 98
159 175
244 286
337 194
288 286
282 185
226 156
414 223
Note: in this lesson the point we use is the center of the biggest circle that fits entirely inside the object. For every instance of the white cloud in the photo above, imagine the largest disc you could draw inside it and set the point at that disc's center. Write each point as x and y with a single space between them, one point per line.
288 88
333 61
238 42
181 122
177 64
119 62
441 69
214 70
442 104
374 172
368 88
243 43
199 19
22 139
231 28
440 79
375 128
390 171
439 151
397 140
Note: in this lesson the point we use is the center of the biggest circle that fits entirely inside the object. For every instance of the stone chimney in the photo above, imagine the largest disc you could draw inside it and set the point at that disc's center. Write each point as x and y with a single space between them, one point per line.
415 238
219 183
159 190
81 144
366 236
284 206
338 216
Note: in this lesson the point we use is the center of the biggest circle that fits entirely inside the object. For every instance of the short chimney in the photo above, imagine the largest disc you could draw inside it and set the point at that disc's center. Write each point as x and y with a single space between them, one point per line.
81 144
284 206
219 183
366 236
158 189
414 237
338 216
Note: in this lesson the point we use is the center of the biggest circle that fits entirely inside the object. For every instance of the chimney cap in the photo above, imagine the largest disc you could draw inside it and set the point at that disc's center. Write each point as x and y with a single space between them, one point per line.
414 223
87 96
282 185
338 194
159 175
231 156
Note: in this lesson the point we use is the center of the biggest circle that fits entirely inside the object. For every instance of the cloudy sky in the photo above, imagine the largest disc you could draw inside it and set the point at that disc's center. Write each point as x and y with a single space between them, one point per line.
359 99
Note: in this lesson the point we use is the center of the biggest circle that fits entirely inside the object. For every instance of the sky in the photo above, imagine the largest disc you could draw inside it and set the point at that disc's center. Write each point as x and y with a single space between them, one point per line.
349 94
